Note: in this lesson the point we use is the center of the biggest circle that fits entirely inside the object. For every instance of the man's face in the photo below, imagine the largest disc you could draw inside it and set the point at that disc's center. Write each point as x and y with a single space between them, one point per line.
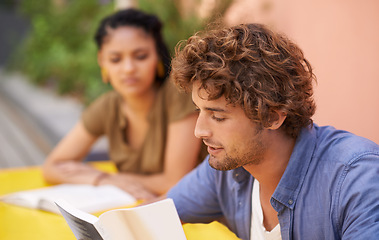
233 140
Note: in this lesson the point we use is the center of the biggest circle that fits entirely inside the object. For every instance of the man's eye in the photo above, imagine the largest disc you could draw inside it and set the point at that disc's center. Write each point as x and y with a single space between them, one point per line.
218 119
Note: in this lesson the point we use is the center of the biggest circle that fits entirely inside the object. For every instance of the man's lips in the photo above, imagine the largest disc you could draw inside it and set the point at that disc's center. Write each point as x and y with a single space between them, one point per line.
212 149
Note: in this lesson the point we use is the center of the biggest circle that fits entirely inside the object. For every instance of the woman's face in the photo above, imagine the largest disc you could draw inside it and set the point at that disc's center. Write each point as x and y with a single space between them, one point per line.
130 59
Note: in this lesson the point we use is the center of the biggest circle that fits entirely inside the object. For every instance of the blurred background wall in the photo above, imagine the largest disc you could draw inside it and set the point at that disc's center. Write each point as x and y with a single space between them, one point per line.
341 40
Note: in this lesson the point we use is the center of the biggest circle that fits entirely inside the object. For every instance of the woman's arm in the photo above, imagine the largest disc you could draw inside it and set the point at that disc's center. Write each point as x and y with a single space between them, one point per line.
64 163
181 156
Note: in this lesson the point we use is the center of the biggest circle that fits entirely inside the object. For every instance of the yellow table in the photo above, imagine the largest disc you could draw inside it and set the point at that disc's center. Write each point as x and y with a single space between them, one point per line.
17 223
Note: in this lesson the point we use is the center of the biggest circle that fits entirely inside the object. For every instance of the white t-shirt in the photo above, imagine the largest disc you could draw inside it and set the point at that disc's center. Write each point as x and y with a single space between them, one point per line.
258 231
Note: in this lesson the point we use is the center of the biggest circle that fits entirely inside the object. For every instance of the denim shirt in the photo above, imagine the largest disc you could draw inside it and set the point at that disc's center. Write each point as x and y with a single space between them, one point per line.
329 190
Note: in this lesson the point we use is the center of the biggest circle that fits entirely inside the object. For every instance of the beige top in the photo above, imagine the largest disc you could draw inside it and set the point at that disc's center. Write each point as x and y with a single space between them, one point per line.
104 116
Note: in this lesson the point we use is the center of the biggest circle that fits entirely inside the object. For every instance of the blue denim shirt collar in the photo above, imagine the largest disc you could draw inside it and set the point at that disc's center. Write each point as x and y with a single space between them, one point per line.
240 175
288 189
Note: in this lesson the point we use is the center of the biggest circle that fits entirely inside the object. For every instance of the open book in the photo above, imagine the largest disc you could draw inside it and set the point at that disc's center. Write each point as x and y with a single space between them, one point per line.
85 197
155 221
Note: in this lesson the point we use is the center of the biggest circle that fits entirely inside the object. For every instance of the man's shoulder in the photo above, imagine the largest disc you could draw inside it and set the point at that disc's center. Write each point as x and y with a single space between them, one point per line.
343 145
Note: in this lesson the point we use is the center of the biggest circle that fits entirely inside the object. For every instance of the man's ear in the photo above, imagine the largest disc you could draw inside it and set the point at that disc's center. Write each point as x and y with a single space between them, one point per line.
277 118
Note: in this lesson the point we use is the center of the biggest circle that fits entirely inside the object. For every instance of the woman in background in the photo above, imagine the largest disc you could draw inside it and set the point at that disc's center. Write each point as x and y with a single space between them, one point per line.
149 125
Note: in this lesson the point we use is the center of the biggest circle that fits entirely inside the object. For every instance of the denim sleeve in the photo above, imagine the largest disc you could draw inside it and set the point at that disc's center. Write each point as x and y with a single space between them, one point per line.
358 204
195 196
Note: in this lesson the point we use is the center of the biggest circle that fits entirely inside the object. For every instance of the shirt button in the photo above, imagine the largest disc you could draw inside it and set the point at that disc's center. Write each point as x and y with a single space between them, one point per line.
290 202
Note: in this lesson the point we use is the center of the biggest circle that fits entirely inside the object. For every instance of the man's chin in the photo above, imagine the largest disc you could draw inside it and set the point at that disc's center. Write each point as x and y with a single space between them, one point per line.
220 164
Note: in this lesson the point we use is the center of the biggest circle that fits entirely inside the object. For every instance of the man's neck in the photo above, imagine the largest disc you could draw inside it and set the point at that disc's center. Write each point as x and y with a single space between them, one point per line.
271 168
269 172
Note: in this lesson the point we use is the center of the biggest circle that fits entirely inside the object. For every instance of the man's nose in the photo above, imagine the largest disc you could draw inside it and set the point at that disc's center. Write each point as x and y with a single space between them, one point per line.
202 129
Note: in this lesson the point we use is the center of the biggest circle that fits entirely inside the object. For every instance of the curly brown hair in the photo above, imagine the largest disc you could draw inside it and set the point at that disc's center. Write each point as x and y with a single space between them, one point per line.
251 66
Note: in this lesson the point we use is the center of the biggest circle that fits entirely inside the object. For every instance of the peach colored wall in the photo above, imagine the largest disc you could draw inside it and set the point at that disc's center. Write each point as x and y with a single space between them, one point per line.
341 40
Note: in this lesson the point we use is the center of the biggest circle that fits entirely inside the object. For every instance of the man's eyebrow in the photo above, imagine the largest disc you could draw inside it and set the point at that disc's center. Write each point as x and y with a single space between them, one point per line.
212 109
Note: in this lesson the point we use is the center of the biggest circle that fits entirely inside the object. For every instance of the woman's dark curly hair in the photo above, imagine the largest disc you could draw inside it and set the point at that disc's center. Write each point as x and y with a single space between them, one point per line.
253 67
136 18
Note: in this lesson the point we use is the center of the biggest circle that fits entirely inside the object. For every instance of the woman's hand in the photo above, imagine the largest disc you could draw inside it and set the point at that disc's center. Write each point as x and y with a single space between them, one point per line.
76 172
128 184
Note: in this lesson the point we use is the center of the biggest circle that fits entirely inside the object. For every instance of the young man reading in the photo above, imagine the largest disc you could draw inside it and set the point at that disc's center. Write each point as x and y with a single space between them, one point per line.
271 172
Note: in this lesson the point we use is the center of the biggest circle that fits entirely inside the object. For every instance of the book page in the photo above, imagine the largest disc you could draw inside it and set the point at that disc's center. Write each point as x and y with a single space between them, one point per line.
85 197
112 226
155 221
22 199
81 223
